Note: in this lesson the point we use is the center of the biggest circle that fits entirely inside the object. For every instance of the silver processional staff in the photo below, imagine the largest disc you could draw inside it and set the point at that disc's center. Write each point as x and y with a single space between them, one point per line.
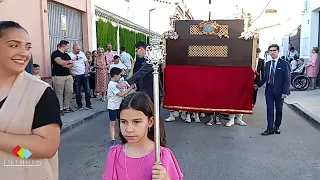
155 56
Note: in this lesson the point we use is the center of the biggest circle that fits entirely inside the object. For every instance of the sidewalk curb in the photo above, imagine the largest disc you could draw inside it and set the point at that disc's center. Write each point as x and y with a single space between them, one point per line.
80 121
305 114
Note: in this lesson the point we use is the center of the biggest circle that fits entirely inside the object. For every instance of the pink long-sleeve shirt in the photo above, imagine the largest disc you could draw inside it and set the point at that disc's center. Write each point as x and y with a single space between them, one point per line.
313 66
115 165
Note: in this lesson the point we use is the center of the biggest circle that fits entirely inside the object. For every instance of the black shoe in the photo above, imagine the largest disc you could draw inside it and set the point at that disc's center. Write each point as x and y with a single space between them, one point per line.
78 108
277 130
89 107
68 110
61 113
267 132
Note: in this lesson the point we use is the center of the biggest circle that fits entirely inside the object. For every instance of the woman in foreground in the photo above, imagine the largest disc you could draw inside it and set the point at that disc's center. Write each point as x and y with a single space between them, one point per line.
29 113
134 159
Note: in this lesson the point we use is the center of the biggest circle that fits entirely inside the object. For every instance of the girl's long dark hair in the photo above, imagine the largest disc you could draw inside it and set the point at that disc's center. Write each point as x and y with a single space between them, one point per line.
141 102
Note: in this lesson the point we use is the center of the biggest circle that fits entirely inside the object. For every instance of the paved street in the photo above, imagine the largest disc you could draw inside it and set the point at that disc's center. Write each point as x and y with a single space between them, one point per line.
207 153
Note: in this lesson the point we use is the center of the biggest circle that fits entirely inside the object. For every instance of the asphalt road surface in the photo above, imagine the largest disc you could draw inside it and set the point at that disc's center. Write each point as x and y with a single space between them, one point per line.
209 152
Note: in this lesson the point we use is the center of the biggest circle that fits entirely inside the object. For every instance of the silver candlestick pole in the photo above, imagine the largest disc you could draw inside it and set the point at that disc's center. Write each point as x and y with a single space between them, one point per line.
155 56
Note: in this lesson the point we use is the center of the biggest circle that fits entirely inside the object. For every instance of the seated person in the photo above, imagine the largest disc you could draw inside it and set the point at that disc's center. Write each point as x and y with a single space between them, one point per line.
299 70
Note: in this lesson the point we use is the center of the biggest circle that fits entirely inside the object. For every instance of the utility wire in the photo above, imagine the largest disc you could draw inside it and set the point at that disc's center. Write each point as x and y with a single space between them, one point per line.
262 12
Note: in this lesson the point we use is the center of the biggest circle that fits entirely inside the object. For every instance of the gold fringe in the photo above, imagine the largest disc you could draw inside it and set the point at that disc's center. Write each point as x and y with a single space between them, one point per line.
209 109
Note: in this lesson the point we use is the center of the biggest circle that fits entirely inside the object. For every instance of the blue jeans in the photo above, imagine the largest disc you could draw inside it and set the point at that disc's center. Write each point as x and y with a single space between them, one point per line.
82 80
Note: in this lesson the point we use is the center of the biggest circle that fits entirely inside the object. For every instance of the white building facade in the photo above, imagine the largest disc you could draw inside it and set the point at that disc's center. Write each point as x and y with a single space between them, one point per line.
134 15
310 31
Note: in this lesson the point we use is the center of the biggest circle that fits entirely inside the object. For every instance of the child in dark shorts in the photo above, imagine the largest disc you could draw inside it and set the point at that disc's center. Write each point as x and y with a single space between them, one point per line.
115 96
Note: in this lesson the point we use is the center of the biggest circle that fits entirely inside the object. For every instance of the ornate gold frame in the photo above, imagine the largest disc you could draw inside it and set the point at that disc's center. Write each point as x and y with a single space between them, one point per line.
214 23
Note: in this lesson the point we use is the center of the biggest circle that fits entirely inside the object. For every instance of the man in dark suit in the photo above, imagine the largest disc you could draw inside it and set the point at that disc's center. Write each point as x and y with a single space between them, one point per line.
277 77
259 74
143 77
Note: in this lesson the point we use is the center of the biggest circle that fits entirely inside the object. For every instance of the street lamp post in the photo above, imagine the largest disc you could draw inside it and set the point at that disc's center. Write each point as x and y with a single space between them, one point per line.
150 22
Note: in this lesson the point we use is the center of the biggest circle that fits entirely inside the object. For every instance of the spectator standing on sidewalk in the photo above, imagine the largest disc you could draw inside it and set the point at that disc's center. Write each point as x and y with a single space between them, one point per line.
117 63
127 60
80 71
29 111
92 72
313 67
61 77
109 54
36 71
101 66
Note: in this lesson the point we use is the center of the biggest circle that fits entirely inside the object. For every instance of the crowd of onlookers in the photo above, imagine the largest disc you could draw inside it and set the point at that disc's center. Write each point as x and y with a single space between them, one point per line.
78 72
300 66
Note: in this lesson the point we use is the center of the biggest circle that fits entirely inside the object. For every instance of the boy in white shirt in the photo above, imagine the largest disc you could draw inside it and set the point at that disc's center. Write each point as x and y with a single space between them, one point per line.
36 70
117 63
115 97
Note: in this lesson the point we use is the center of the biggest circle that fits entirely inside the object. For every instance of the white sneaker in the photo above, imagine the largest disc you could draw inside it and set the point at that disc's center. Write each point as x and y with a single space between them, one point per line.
211 121
193 115
240 122
230 123
176 114
183 115
188 119
196 118
218 120
170 118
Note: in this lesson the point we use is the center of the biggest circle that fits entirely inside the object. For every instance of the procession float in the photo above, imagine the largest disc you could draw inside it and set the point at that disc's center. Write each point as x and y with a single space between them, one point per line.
210 66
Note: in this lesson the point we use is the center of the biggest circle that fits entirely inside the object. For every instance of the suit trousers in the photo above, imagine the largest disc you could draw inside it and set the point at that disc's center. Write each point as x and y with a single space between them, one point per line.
255 94
273 101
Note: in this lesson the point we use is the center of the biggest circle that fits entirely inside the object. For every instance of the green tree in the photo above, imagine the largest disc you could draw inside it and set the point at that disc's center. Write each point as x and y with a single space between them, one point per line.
106 33
127 39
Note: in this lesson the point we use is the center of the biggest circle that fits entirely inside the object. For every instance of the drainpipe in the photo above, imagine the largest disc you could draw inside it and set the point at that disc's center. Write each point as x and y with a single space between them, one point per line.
118 39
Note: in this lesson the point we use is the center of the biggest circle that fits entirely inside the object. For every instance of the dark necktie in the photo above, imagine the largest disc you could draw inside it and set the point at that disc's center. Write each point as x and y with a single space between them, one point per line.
271 78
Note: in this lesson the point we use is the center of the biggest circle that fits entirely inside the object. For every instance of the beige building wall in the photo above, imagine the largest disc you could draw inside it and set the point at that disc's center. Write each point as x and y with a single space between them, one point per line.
33 16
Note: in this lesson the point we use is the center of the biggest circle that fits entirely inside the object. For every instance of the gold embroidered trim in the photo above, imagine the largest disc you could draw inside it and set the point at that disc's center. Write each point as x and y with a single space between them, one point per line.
208 109
207 51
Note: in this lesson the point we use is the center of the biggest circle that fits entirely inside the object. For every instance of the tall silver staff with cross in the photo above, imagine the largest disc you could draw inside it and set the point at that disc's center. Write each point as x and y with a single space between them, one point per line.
155 55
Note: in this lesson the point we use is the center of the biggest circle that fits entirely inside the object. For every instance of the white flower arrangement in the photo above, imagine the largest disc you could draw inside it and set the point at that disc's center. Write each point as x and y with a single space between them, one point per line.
248 34
171 34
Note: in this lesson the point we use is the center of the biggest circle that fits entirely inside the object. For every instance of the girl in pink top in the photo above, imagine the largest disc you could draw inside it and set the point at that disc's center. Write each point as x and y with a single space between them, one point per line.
134 159
313 67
